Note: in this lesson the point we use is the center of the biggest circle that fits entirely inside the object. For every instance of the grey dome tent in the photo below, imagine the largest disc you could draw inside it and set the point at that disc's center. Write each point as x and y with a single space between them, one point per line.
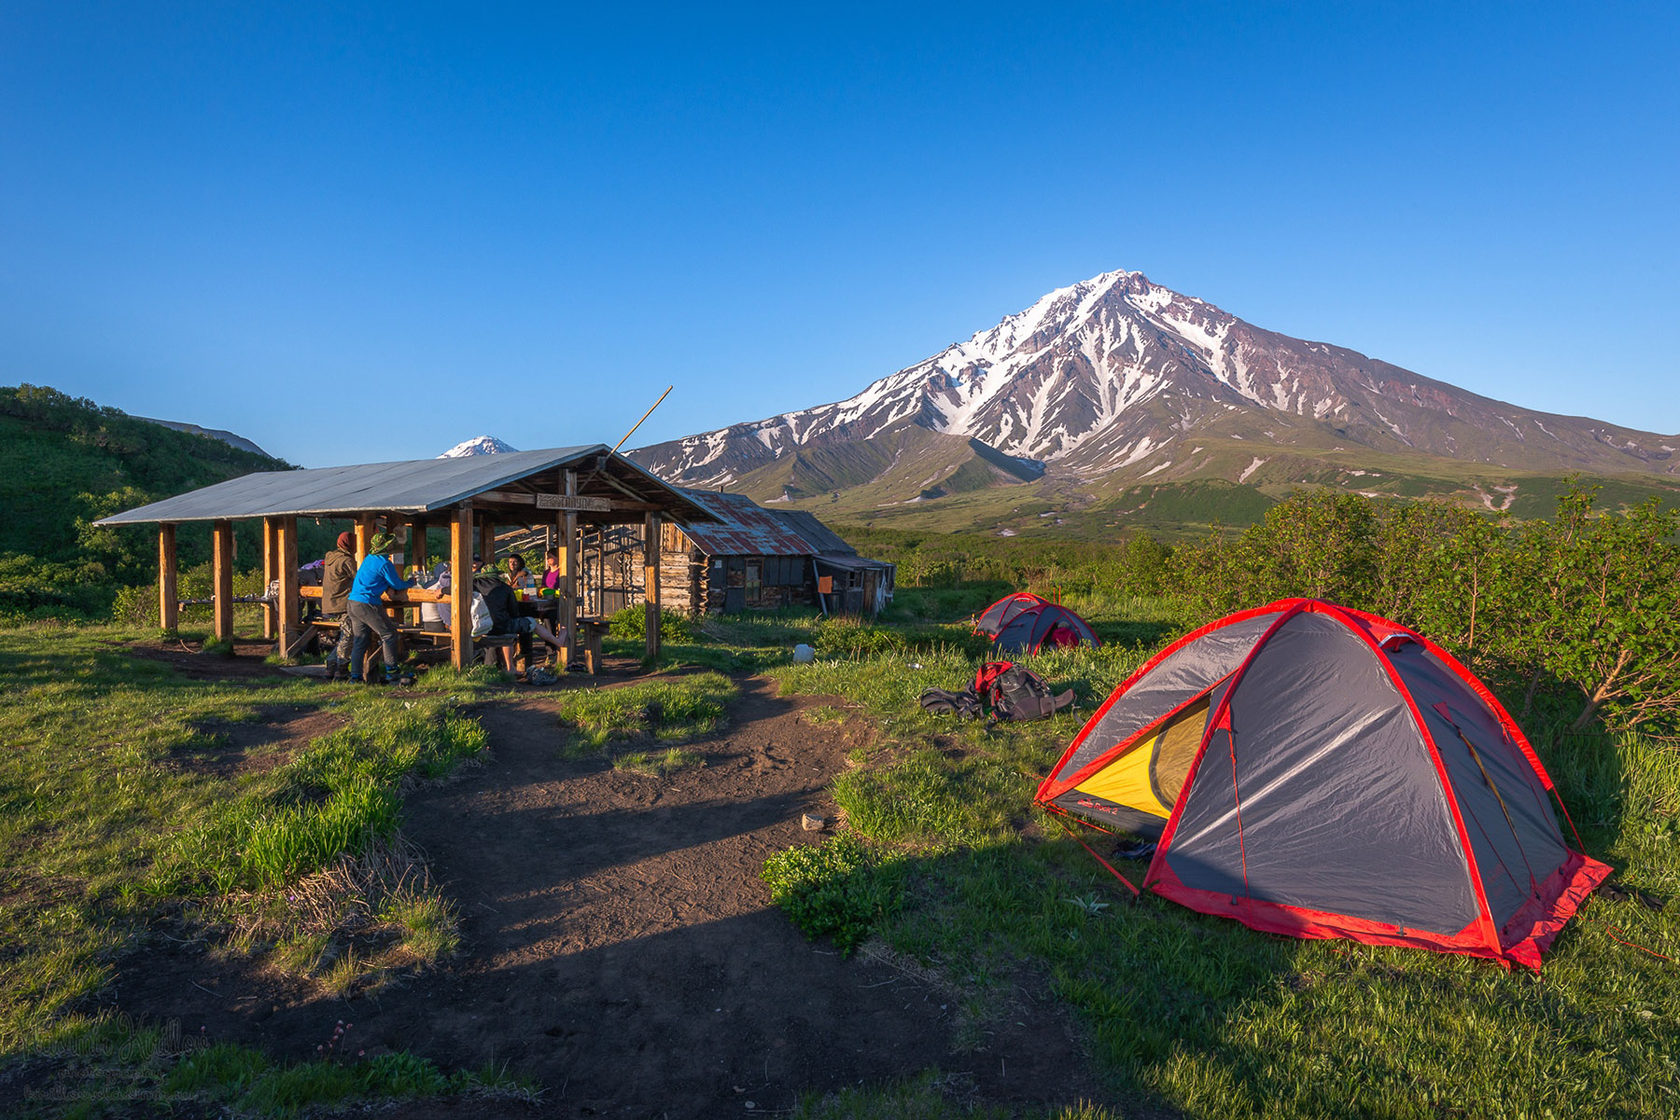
1320 772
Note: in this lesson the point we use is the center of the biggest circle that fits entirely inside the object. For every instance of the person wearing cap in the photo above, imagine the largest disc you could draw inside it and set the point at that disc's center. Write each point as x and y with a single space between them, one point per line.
338 572
376 576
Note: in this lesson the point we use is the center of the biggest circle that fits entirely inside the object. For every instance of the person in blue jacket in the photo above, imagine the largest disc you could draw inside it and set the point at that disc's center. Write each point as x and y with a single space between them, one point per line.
374 577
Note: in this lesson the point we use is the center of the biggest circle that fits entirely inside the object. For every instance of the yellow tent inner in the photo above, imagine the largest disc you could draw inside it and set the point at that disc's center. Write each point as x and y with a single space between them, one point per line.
1148 777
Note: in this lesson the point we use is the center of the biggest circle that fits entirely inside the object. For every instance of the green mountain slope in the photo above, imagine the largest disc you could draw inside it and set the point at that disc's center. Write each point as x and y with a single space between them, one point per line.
64 463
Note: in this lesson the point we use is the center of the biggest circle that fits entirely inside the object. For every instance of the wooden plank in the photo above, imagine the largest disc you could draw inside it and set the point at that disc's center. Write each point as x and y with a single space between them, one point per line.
650 581
568 589
270 613
286 559
486 541
221 579
169 603
460 575
364 534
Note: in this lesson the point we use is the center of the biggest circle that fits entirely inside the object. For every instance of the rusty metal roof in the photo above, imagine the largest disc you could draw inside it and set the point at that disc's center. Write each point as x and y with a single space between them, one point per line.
744 528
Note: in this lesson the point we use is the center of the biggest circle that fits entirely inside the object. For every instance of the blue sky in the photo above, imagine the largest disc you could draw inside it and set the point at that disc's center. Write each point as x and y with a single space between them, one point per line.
362 235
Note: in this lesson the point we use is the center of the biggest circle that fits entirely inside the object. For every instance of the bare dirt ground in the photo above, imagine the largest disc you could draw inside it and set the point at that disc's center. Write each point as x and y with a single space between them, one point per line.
619 948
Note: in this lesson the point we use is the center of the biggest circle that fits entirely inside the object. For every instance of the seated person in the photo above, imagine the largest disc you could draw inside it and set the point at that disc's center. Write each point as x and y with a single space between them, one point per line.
435 616
506 619
518 576
551 571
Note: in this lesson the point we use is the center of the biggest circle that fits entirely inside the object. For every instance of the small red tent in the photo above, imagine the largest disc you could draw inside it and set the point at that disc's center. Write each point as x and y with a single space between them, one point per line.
1024 622
1002 612
1316 771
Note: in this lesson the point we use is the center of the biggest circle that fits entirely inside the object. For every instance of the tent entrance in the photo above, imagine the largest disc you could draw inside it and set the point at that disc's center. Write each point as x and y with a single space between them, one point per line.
1136 791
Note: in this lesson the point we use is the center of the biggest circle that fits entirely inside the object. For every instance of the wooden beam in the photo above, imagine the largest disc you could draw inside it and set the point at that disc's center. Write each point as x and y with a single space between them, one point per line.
169 602
460 585
286 560
486 541
270 613
650 581
418 552
221 574
568 589
364 533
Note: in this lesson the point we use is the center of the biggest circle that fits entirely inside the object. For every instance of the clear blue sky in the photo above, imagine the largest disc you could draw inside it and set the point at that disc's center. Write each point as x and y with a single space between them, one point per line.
354 236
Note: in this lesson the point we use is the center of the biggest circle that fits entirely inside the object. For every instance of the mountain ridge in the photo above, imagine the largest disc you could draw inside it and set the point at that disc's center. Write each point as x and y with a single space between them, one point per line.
1116 380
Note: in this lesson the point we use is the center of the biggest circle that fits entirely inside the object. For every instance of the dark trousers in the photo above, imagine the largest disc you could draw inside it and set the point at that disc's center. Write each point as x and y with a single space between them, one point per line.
341 648
366 618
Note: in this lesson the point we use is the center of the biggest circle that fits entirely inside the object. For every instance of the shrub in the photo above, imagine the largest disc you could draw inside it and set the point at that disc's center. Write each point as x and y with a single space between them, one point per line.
841 889
630 624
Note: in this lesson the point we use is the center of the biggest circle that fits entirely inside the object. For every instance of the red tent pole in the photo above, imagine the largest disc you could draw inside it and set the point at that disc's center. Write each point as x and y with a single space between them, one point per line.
1099 859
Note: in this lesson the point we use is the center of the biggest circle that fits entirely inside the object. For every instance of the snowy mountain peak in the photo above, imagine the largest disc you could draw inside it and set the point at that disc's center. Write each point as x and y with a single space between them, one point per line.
1104 375
478 445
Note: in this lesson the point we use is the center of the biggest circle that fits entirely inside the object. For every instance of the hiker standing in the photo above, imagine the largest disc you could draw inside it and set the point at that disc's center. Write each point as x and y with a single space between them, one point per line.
376 576
338 572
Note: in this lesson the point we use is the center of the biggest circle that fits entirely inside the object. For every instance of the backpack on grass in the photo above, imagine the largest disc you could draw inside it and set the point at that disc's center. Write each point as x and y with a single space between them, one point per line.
965 704
1017 694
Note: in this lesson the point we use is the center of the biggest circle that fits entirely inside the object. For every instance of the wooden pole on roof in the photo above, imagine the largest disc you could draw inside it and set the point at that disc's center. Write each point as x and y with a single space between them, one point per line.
169 603
221 571
460 584
270 613
650 580
568 590
290 621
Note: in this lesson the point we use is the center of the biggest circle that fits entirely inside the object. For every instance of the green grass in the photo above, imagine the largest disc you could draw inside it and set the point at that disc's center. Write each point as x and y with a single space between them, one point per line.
668 710
1206 1017
119 802
658 764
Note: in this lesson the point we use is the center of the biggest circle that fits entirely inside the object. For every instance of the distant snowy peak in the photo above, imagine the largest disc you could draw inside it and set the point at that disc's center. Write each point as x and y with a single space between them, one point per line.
478 445
1105 375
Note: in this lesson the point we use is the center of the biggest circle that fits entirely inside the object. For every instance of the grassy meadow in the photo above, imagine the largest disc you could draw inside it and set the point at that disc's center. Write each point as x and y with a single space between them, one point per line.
115 831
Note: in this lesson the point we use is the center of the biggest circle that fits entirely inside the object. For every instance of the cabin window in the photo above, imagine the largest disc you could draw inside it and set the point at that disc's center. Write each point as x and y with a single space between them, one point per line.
755 579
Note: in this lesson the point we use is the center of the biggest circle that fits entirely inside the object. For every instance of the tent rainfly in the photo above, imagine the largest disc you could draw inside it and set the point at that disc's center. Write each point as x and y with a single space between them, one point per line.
1316 771
561 487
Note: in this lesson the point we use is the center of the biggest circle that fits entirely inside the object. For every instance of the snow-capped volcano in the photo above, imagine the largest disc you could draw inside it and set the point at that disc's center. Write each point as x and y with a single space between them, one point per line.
1117 375
478 445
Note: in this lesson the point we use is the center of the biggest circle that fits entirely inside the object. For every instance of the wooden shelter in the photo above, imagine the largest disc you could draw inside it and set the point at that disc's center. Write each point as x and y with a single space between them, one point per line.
747 557
569 487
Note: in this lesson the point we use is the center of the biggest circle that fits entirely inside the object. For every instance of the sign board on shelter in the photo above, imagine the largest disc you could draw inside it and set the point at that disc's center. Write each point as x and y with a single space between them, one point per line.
564 501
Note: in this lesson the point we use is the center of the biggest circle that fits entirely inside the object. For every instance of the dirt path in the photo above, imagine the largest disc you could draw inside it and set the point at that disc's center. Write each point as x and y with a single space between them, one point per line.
619 948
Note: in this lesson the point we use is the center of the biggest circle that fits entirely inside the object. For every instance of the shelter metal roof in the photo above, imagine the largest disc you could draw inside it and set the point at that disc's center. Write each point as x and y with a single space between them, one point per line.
414 487
820 537
744 528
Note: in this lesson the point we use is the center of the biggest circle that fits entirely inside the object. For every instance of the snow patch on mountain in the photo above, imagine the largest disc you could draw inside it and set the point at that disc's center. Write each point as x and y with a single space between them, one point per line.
478 445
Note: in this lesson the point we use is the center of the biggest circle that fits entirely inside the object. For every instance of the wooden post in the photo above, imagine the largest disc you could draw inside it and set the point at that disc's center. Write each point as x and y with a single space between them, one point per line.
364 533
486 541
568 589
169 603
290 622
650 580
460 583
417 554
270 613
221 570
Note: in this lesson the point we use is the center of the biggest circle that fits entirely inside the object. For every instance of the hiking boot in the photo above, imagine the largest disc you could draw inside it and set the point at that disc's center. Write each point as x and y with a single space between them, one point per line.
402 678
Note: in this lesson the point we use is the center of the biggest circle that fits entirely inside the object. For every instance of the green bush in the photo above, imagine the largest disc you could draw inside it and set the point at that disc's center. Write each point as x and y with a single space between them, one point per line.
630 625
841 889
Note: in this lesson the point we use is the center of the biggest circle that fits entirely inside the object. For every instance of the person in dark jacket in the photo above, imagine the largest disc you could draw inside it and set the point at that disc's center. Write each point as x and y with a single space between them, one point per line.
338 572
506 619
376 576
